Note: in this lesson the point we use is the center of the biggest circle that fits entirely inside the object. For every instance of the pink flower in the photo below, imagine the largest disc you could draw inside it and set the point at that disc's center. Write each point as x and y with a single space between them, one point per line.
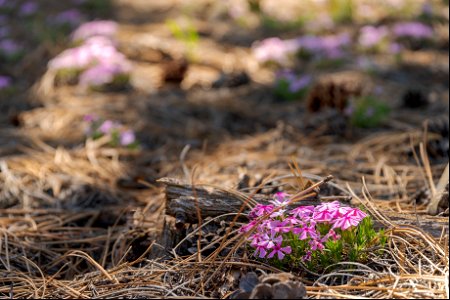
280 199
316 245
330 206
256 238
323 216
414 30
5 82
331 234
346 222
293 221
306 231
127 137
280 251
260 210
280 226
249 226
90 118
9 47
356 213
28 8
261 248
101 74
274 239
307 256
274 49
302 211
102 28
371 36
70 17
278 213
108 126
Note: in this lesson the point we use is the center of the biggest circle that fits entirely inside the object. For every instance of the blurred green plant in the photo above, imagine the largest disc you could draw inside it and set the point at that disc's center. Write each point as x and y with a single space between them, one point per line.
291 88
368 112
272 23
117 134
341 10
97 6
187 34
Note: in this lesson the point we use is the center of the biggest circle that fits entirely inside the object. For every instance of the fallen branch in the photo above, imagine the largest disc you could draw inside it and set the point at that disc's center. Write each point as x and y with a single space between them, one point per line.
212 202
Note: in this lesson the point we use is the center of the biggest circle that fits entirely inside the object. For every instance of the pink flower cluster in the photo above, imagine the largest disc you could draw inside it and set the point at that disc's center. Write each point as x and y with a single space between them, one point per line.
274 226
97 58
5 82
98 128
274 50
371 36
103 28
277 50
415 30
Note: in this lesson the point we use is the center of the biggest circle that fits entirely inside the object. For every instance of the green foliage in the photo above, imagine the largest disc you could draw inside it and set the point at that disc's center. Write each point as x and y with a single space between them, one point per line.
97 6
11 58
341 10
283 92
325 63
353 246
187 34
272 23
67 76
369 112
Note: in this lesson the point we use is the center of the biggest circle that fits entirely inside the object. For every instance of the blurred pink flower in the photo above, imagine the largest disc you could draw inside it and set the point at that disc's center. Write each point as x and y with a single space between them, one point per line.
274 49
28 8
71 17
90 118
127 138
108 126
9 47
103 28
416 30
5 82
95 50
371 36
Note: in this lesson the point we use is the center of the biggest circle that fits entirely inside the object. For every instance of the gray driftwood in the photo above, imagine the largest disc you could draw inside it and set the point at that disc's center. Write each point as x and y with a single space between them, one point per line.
184 200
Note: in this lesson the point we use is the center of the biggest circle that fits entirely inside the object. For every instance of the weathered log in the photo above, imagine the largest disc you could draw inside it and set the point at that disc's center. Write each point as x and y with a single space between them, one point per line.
183 201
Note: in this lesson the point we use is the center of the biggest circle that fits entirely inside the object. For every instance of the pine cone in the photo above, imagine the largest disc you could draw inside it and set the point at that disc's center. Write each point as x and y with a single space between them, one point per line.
175 70
273 286
332 94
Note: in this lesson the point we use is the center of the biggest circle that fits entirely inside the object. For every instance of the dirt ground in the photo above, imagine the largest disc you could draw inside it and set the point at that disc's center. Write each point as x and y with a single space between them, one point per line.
81 219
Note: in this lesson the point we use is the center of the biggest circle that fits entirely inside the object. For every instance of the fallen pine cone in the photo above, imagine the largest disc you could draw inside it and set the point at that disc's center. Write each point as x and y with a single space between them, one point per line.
274 286
332 94
174 70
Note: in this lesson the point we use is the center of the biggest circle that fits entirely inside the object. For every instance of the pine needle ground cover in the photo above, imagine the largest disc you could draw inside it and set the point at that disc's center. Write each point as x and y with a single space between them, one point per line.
239 149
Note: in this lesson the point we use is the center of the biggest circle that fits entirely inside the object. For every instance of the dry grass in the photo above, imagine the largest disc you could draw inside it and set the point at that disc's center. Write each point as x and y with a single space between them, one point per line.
49 251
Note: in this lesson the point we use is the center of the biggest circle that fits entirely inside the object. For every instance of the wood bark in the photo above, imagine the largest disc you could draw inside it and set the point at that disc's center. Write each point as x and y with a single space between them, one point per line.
184 201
